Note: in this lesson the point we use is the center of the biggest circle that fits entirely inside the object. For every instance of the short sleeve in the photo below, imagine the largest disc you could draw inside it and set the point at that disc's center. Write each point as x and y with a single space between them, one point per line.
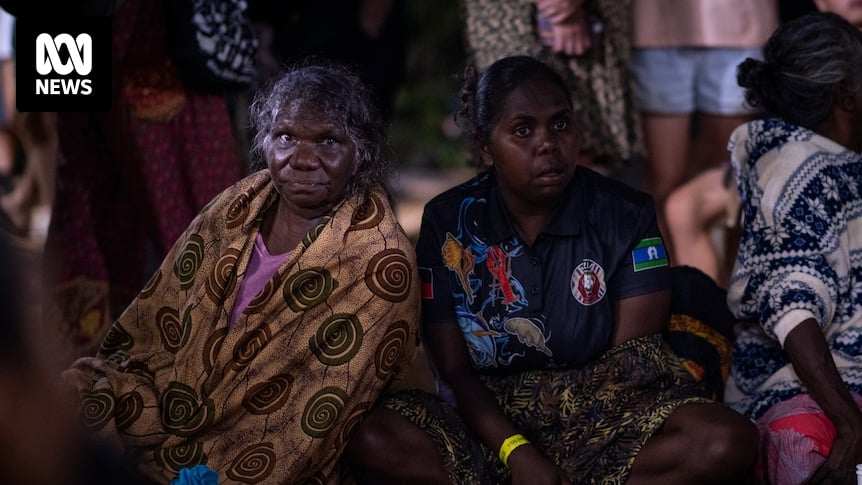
644 265
438 304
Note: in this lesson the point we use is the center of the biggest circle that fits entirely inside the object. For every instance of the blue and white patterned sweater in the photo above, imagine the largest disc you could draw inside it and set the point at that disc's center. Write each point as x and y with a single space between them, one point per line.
800 257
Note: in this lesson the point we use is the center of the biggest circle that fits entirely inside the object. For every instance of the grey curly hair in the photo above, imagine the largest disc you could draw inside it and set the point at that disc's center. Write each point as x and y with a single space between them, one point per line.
343 99
808 63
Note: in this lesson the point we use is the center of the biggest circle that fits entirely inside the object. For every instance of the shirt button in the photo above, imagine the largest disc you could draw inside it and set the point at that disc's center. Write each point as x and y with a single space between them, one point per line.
534 261
534 290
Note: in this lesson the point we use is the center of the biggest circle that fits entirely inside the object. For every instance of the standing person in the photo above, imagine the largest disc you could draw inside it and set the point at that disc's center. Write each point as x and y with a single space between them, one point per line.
589 42
369 35
279 316
797 358
711 199
129 180
545 292
684 63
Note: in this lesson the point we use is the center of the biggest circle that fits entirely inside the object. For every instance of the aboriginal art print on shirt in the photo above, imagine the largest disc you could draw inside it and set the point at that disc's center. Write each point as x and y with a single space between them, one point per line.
490 302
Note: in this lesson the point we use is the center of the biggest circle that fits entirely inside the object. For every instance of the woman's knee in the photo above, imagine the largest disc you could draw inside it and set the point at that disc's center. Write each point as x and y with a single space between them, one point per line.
377 436
724 440
388 448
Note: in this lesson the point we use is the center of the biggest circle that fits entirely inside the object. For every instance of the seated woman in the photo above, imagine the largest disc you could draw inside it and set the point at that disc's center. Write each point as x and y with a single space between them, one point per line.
797 365
546 288
287 306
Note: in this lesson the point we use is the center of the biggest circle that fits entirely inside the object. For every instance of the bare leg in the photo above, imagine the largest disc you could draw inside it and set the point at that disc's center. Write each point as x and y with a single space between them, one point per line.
710 142
388 449
690 213
667 139
699 443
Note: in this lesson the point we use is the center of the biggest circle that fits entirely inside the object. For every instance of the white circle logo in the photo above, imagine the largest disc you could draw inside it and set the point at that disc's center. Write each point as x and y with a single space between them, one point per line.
588 283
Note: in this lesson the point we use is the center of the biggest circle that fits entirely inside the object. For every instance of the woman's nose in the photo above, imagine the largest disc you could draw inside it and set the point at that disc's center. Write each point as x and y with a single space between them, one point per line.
548 143
304 157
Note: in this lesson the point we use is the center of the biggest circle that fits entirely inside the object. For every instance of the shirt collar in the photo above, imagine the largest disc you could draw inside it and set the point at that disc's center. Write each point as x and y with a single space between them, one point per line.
566 218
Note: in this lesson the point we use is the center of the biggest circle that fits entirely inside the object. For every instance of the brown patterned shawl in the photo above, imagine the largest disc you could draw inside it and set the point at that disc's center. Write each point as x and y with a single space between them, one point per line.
273 398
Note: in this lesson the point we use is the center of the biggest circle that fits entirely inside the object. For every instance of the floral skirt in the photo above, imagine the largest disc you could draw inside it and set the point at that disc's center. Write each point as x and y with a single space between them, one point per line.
591 421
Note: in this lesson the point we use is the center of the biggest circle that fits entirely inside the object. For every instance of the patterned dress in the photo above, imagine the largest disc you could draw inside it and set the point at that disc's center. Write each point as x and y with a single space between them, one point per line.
600 81
130 180
800 257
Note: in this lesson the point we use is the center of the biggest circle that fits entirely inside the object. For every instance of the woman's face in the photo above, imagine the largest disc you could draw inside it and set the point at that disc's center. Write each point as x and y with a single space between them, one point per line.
311 159
534 144
851 10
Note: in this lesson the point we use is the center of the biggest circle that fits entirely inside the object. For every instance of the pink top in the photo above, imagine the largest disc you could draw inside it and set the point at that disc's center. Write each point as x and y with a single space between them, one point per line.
261 267
703 23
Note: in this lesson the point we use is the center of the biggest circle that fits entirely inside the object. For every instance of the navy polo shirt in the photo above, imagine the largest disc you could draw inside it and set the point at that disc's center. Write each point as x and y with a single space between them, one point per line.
545 306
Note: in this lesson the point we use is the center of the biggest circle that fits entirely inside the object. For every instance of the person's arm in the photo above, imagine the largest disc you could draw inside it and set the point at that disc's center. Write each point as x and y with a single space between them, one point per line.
641 315
478 406
570 32
813 363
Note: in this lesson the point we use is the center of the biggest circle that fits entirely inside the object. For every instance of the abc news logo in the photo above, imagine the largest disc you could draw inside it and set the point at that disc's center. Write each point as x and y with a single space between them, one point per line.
63 64
48 61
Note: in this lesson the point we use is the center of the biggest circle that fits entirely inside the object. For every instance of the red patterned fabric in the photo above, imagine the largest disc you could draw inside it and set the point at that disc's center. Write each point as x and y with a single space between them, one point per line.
130 180
795 439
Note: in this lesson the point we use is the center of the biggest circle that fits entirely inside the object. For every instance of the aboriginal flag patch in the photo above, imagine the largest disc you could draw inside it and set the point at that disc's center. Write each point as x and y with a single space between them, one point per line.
649 254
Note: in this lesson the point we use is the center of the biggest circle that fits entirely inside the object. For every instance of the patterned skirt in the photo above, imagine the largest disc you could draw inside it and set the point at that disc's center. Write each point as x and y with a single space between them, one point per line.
600 80
591 421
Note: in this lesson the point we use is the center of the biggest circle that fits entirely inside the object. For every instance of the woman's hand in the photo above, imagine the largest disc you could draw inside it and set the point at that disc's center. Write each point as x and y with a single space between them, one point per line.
840 465
478 406
570 32
812 360
571 37
559 11
529 466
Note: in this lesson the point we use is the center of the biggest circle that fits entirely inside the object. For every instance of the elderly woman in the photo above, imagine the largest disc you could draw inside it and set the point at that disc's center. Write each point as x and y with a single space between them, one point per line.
797 359
546 288
280 315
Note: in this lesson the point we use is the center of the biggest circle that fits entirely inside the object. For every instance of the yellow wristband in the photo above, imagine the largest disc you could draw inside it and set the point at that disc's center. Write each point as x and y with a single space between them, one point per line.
510 444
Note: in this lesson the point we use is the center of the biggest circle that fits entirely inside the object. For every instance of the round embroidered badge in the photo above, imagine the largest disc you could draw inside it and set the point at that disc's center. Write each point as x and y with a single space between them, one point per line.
588 282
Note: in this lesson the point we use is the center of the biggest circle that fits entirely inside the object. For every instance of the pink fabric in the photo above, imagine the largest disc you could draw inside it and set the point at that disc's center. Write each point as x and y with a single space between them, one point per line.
795 439
261 267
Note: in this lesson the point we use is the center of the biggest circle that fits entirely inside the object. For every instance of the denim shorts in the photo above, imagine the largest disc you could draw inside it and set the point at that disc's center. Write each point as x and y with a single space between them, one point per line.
679 80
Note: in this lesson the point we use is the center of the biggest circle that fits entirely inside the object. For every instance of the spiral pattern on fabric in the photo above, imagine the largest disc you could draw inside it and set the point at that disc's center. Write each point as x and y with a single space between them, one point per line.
238 210
351 422
181 456
97 408
211 348
322 411
129 409
308 288
263 298
253 464
269 396
389 351
389 275
173 331
181 412
367 215
222 279
337 339
117 339
189 261
249 346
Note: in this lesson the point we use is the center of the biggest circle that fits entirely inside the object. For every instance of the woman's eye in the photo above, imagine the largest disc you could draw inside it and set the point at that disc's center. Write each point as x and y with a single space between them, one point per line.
561 125
285 138
522 131
329 141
